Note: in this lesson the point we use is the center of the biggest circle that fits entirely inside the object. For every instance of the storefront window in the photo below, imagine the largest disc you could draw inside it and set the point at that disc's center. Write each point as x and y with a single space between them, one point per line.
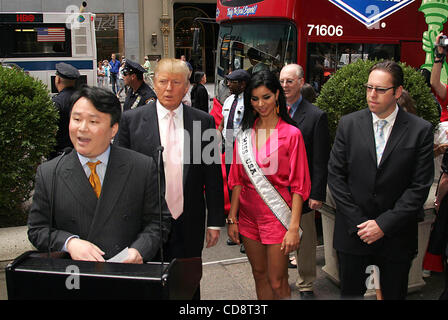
324 59
109 30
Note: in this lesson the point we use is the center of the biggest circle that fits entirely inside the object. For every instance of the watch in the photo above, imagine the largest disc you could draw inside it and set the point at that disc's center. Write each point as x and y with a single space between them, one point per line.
231 221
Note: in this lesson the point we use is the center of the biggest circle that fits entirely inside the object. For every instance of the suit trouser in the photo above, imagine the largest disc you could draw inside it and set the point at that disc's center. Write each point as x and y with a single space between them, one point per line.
352 274
306 254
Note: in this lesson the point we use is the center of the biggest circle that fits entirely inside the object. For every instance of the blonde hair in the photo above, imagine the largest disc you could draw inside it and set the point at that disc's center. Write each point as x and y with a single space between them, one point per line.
172 65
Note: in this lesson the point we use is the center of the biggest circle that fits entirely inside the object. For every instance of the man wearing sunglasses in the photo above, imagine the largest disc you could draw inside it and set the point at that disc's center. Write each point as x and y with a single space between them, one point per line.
139 93
380 171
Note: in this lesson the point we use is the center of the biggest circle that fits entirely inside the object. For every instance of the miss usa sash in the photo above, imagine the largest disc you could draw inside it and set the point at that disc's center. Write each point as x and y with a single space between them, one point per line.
265 189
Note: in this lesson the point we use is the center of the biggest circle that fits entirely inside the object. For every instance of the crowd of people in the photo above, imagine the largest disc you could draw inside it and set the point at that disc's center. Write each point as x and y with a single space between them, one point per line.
278 161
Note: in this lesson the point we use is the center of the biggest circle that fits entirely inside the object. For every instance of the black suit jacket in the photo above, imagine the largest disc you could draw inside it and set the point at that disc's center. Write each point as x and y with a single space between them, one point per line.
392 194
313 124
62 104
199 98
125 215
139 131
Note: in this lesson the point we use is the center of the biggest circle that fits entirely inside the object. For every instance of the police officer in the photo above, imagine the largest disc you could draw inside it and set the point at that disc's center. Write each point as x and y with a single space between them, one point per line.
65 80
139 92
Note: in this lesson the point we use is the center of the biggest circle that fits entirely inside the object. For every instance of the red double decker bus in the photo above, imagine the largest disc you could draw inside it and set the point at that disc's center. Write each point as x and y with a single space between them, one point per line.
320 35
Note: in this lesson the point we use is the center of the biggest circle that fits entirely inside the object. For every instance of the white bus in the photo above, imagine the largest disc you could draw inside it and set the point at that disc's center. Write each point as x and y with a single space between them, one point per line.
36 42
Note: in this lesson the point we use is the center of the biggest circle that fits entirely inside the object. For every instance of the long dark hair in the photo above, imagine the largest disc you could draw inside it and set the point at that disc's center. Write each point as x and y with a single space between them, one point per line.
269 80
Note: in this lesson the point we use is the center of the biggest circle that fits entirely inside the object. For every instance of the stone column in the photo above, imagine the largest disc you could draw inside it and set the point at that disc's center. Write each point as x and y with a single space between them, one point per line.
165 27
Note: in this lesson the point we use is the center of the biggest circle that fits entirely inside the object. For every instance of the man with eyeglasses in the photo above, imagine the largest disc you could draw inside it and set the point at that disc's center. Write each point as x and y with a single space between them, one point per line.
139 93
380 171
313 124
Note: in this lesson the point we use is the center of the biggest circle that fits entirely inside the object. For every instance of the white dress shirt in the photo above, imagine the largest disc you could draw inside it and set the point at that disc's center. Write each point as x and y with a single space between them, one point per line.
163 118
238 114
388 127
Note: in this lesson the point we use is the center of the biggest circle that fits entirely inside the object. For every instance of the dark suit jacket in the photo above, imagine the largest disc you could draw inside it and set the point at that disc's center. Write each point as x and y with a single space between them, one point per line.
313 124
125 215
392 194
62 104
199 98
139 131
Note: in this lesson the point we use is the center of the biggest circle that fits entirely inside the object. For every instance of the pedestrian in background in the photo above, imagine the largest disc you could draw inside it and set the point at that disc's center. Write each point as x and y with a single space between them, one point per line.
199 94
114 69
121 80
101 74
106 68
308 92
313 124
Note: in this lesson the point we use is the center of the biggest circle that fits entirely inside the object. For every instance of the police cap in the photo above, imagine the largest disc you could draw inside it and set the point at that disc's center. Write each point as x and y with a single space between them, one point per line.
240 75
133 67
67 71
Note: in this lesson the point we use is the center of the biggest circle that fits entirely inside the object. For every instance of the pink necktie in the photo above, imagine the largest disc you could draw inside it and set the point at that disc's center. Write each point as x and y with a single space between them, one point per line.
173 171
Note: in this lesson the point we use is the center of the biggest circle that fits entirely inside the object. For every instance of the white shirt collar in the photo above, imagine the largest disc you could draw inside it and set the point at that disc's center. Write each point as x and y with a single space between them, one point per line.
390 119
162 112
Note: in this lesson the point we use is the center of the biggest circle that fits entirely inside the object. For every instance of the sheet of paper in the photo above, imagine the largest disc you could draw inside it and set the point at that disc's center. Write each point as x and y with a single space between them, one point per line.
121 256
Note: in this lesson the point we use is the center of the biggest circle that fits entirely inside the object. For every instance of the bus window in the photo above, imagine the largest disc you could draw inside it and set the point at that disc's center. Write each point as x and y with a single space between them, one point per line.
35 41
254 47
324 59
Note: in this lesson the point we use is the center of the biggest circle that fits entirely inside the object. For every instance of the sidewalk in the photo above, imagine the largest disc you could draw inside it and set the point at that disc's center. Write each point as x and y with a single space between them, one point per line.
227 276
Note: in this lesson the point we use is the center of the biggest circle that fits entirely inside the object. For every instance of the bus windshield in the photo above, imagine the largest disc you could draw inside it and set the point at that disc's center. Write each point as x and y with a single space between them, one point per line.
253 46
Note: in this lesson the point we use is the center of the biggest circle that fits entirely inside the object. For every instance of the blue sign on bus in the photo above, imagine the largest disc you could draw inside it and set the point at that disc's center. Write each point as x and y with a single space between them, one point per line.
370 11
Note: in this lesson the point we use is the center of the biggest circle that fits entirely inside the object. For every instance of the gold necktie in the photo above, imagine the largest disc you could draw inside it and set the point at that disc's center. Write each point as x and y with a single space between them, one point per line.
94 179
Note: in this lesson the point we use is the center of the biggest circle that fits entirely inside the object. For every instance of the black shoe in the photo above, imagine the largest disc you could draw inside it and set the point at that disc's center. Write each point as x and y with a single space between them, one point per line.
291 266
230 242
242 250
306 295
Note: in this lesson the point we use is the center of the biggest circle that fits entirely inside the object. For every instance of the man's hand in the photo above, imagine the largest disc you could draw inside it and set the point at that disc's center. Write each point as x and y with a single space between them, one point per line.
134 257
369 231
84 250
212 237
315 204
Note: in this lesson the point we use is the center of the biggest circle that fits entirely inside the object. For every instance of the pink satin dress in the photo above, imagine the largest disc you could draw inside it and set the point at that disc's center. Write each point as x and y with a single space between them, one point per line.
283 161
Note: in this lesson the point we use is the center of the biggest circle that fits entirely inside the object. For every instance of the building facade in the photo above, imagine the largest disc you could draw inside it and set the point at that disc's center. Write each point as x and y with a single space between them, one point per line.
135 28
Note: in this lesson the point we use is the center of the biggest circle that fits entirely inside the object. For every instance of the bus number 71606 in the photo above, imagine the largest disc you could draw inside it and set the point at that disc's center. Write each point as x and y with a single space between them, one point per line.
323 30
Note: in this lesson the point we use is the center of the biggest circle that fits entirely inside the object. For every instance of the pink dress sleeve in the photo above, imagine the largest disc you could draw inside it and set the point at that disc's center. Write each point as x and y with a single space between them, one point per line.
299 178
235 169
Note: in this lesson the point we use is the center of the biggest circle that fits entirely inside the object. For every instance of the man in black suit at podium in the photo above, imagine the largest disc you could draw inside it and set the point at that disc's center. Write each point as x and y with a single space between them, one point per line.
105 197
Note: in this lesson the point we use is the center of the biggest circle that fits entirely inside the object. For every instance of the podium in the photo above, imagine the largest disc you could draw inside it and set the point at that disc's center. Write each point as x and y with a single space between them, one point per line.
34 275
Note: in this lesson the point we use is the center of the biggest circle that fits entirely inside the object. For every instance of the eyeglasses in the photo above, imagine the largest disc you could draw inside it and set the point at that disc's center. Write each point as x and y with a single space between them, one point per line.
288 81
377 89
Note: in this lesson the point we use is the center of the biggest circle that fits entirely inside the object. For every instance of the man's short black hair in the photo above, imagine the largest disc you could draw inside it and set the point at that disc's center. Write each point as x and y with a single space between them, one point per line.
102 99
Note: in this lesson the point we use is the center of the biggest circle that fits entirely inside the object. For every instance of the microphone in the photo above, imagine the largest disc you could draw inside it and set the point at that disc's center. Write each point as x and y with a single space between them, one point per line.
66 151
159 161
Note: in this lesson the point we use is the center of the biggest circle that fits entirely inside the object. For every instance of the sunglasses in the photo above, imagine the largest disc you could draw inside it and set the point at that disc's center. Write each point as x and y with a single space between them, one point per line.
377 89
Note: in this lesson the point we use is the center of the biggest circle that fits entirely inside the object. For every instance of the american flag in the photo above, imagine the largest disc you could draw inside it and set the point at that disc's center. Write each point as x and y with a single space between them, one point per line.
50 34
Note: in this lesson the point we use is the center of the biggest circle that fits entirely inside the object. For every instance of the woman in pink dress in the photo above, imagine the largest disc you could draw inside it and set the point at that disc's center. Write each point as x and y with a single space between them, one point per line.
279 151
